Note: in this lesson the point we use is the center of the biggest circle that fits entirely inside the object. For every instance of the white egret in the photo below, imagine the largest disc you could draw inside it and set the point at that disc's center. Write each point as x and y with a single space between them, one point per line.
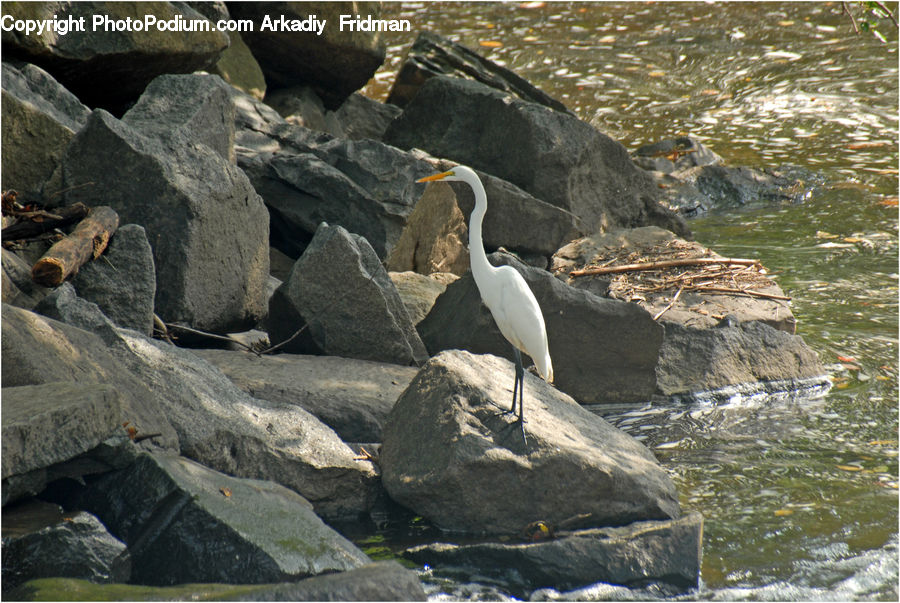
505 293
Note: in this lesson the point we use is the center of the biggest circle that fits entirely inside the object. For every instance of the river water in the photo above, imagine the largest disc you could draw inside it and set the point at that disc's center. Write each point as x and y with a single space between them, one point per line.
799 495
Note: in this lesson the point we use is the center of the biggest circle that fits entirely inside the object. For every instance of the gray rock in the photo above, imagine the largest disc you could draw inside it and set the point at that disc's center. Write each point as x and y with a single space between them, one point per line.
110 69
64 304
418 292
301 106
206 225
79 547
184 522
644 552
351 396
335 64
122 282
339 287
18 288
53 422
362 117
380 581
238 67
559 158
603 350
452 457
32 343
431 55
225 429
699 360
691 308
40 117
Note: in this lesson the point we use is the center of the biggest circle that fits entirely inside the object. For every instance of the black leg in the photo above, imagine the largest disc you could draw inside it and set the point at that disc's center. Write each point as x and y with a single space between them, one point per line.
520 377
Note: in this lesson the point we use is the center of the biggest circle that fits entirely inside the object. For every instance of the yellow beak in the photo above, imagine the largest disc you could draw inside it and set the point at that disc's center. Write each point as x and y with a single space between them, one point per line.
435 177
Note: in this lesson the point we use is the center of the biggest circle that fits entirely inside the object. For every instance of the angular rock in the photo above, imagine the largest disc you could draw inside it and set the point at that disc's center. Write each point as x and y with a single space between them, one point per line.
64 305
650 243
644 552
700 360
207 226
225 429
123 281
362 117
301 106
335 64
110 69
379 581
603 350
435 238
341 290
452 457
558 158
418 292
353 397
39 350
53 422
184 523
79 547
40 117
18 288
432 55
238 67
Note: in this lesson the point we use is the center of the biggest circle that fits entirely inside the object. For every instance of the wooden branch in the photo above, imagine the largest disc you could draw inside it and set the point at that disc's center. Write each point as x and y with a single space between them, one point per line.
671 303
28 228
745 291
664 264
86 242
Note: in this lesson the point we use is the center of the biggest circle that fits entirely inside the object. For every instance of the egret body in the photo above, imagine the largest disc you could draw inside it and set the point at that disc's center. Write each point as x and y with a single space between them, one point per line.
505 293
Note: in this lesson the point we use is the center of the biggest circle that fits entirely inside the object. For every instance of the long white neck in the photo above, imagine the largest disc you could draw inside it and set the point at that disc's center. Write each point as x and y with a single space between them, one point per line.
477 258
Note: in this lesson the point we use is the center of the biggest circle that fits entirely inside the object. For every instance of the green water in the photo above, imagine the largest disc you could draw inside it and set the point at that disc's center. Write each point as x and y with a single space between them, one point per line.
799 496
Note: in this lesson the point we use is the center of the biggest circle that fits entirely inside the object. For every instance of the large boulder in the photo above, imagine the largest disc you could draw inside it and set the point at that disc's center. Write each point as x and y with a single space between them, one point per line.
451 456
40 117
432 55
18 287
32 343
419 292
550 154
122 282
225 429
77 546
335 61
351 396
207 226
341 290
603 350
184 523
110 68
661 552
53 422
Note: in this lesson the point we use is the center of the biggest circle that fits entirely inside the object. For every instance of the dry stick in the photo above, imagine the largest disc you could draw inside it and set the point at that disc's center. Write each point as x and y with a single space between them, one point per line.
671 303
210 335
27 228
664 264
882 6
86 242
744 291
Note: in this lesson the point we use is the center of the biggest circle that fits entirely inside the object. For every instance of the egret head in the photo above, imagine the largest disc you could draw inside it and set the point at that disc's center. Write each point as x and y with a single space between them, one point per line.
460 173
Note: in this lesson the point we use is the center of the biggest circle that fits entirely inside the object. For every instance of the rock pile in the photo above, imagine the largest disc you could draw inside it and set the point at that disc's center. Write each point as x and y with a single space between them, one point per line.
131 453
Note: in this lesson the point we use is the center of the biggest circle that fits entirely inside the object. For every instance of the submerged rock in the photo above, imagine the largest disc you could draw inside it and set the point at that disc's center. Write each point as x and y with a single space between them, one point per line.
638 554
452 455
186 523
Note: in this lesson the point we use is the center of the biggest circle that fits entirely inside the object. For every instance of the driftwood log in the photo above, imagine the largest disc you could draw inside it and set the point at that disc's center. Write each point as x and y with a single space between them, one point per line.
86 242
48 220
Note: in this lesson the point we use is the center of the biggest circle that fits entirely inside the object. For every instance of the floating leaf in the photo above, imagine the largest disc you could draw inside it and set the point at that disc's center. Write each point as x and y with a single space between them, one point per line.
786 23
849 468
226 492
656 73
533 5
869 144
821 234
883 443
490 43
846 358
784 512
889 202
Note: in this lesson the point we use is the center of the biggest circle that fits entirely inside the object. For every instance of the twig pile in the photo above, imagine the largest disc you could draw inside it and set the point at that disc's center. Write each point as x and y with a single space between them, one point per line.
681 266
